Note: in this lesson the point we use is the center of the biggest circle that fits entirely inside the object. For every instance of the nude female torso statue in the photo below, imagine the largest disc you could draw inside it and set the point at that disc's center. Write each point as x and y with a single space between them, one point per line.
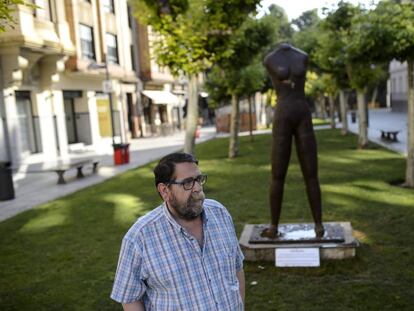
292 118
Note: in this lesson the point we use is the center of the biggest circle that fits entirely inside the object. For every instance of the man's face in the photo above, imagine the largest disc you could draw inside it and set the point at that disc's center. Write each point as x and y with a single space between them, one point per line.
185 204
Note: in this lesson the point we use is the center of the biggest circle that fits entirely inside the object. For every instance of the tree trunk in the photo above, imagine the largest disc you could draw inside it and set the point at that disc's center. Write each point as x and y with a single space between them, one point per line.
234 127
409 174
343 102
192 115
323 107
317 108
362 120
332 110
250 118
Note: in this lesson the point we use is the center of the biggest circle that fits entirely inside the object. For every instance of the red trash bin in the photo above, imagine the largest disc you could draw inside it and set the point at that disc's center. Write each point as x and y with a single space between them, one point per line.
126 153
118 154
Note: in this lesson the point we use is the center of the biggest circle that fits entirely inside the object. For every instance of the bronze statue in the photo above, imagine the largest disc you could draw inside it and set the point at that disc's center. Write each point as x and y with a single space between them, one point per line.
292 118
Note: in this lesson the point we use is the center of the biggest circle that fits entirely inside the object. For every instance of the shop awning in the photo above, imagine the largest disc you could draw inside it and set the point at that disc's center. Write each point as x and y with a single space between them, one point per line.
161 97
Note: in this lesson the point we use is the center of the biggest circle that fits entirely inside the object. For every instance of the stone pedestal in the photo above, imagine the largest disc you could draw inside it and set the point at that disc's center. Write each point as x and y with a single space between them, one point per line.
337 243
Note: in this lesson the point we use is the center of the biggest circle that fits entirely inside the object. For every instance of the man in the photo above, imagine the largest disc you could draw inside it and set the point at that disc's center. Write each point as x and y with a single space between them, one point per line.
183 255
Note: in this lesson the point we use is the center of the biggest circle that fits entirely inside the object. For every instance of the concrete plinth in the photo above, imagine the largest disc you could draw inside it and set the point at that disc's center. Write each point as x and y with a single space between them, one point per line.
266 251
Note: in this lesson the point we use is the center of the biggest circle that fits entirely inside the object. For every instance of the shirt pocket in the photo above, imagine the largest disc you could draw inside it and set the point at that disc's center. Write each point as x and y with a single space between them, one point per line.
227 265
233 292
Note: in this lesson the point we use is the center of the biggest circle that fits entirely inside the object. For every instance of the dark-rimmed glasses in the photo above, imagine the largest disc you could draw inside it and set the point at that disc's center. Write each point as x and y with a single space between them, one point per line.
188 183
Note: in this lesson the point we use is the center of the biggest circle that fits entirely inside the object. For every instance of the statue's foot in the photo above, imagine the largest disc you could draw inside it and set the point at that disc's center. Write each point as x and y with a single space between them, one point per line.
319 231
270 232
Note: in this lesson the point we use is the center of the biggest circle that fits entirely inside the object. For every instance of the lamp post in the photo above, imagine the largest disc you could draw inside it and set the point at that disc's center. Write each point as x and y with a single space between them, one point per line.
108 90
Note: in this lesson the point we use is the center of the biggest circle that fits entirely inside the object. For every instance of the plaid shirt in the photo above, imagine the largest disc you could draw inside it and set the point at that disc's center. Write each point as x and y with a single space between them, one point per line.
161 264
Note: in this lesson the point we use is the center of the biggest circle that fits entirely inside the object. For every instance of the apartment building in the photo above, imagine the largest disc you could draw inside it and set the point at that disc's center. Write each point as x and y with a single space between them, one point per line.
63 66
163 95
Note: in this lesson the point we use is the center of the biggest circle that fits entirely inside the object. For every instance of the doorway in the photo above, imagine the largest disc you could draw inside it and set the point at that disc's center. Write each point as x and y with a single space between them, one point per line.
28 140
70 120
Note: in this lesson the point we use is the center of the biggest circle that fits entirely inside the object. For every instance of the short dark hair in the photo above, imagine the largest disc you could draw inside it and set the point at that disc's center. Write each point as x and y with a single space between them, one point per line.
165 169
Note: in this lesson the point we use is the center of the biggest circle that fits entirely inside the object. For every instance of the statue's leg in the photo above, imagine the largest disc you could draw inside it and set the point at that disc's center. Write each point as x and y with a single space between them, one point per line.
281 149
307 154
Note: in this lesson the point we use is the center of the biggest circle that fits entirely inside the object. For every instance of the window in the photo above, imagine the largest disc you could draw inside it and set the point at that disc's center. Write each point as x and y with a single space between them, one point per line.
43 9
108 6
112 48
87 42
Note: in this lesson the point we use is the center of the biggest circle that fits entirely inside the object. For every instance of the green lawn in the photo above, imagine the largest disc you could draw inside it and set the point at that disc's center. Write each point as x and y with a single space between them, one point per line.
62 255
316 121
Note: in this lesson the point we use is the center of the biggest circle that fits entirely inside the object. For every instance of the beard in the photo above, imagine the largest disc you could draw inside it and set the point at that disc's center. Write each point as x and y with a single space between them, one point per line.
190 209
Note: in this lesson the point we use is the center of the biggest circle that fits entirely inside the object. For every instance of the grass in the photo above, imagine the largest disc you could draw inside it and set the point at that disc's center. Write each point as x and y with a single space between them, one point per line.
317 121
63 254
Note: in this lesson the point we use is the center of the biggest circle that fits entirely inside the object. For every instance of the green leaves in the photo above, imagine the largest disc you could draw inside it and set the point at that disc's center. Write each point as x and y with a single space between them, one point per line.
193 34
241 72
384 33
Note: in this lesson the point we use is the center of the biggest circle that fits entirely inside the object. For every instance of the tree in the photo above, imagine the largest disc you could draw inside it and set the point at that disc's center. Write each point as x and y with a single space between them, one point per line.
363 75
315 88
251 80
241 73
306 38
6 12
279 22
306 20
388 33
193 36
330 56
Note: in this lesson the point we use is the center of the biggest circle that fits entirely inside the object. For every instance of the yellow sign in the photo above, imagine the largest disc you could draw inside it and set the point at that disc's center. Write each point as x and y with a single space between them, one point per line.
104 117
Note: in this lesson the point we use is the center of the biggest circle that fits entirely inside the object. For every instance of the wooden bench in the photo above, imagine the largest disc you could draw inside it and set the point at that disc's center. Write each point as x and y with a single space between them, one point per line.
60 168
389 135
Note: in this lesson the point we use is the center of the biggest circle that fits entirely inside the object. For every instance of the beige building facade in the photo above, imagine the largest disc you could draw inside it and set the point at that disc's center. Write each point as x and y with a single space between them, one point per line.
163 95
61 67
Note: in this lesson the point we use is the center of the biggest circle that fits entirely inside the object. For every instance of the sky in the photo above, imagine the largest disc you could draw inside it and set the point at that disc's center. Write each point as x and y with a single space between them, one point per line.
294 8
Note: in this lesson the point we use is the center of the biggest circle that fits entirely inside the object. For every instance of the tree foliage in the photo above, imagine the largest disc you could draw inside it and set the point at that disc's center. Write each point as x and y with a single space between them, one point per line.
242 73
193 34
306 20
307 34
278 21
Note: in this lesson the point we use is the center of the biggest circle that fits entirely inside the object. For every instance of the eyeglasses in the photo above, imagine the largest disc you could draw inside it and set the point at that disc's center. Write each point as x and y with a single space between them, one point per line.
188 183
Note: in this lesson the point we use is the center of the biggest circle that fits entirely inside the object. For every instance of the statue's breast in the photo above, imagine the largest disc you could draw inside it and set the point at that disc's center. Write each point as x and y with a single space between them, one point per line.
282 72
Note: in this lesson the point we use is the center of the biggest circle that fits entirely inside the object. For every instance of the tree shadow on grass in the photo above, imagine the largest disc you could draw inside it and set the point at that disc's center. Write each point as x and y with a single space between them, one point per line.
64 253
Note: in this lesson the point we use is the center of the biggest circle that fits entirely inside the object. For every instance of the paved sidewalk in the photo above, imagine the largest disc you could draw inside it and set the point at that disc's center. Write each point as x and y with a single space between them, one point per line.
32 189
385 119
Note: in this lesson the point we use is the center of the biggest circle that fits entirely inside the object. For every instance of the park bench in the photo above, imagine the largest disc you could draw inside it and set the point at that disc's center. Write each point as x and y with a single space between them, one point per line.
60 168
389 135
